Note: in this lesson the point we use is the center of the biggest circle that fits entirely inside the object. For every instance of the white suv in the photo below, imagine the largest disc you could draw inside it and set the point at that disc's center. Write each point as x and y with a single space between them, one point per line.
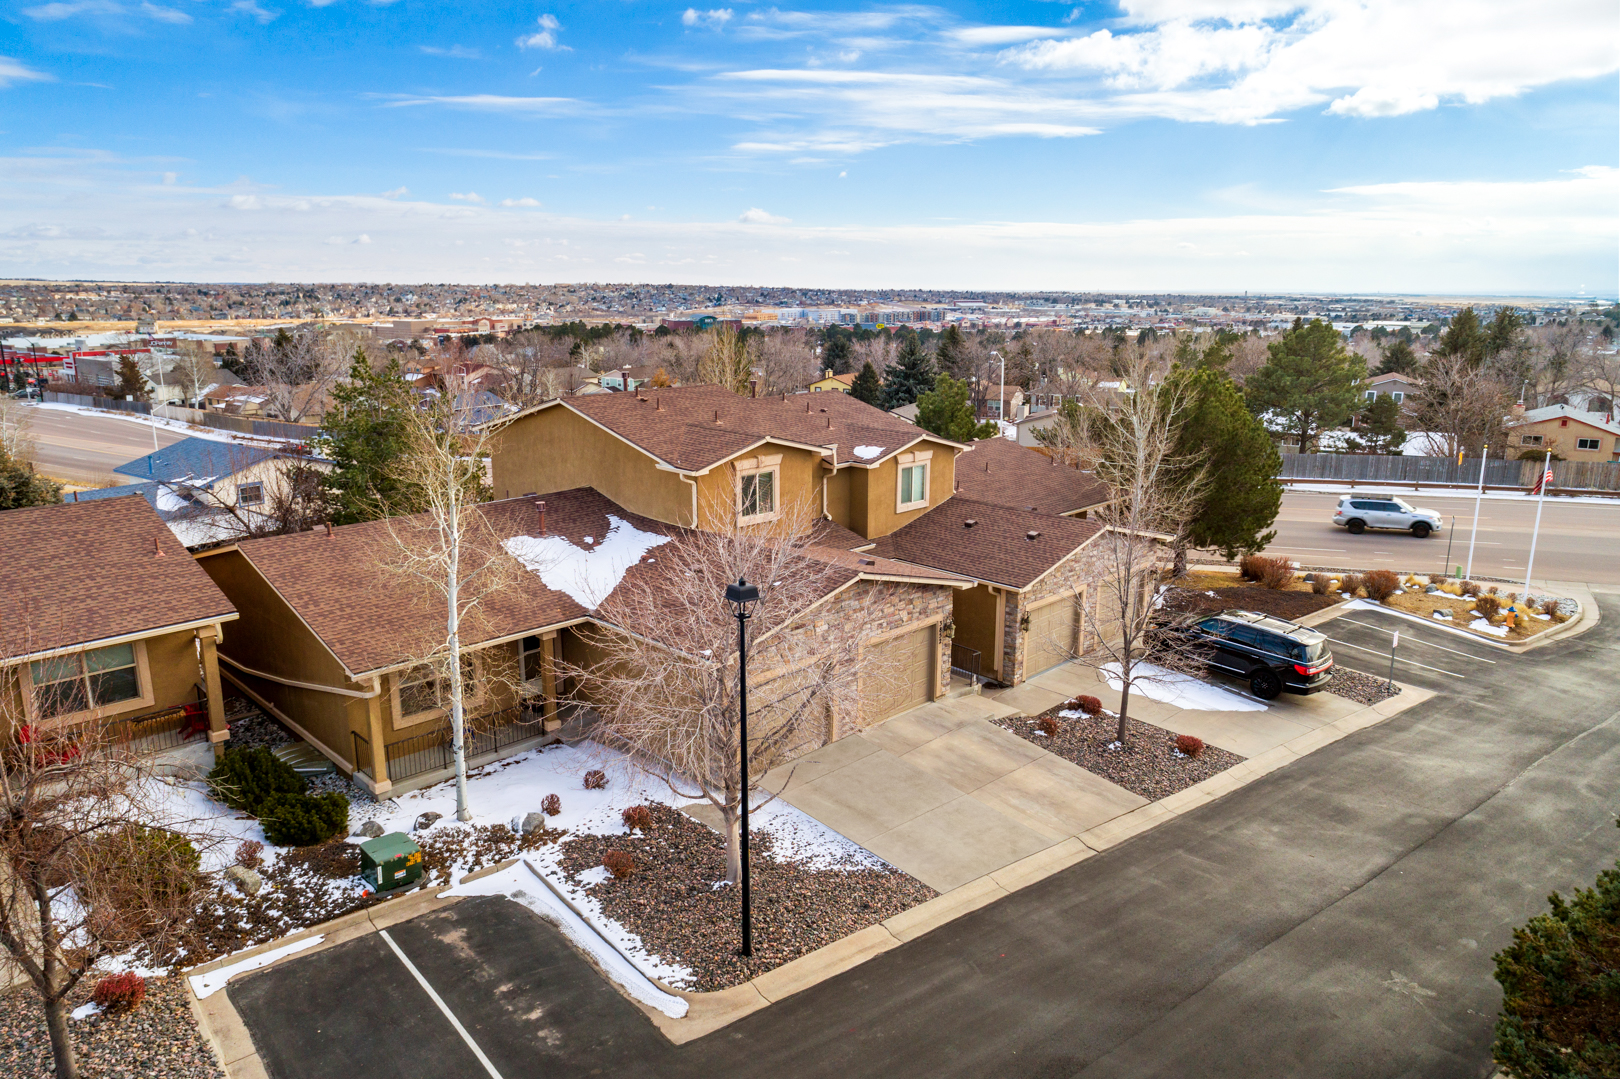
1361 512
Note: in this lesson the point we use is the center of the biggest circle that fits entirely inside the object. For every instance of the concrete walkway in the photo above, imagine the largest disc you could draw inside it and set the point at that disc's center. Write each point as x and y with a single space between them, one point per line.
947 796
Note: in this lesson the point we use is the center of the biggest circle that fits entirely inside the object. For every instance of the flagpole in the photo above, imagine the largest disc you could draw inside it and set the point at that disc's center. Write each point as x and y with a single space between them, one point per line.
1546 473
1478 494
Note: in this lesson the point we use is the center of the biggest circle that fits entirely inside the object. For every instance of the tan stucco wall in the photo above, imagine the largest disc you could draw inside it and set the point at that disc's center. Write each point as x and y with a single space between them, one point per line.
1561 440
974 610
170 675
876 495
837 494
557 450
799 474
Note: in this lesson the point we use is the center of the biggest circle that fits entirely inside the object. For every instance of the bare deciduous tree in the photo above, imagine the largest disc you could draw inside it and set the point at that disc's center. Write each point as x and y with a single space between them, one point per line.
728 362
296 371
1465 407
538 368
666 683
787 361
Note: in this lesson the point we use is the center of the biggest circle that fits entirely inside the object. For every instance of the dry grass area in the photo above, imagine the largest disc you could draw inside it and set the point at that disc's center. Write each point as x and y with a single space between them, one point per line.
1425 604
1202 580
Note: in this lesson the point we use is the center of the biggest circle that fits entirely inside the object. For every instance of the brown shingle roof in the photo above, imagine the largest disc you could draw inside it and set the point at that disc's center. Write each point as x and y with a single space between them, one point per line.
104 579
999 470
825 533
678 425
372 617
997 547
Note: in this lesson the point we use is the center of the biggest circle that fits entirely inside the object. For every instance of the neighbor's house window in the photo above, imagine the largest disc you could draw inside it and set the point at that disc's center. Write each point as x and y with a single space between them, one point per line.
249 494
423 694
1399 396
97 678
1530 440
1587 444
1372 395
758 483
913 486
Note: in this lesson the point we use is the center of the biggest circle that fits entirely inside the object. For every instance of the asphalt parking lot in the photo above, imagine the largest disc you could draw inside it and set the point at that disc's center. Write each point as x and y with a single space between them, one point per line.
1334 919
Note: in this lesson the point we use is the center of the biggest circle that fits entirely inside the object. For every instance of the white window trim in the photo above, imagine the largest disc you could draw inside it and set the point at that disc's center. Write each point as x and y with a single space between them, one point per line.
416 719
252 483
758 466
1596 444
147 698
908 460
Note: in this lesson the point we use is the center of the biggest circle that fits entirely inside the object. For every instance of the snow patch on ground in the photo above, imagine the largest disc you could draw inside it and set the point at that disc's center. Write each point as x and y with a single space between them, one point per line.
1443 616
589 576
1180 690
866 453
85 1011
1480 625
206 985
593 877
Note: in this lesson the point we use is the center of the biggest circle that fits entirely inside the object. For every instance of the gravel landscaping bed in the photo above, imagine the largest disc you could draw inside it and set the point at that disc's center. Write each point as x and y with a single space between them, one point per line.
671 903
1147 764
1361 688
158 1040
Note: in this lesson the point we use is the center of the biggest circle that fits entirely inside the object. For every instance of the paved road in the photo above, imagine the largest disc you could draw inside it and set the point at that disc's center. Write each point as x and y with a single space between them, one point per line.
85 448
1336 918
1578 540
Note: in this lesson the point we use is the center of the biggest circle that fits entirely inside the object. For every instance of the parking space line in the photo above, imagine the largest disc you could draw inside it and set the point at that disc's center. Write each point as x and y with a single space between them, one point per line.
1398 659
1420 640
443 1007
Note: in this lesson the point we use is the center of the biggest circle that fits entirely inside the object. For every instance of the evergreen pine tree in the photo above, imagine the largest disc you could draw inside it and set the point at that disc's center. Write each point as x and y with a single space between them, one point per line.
951 354
131 383
867 387
1383 432
21 486
1219 433
835 354
363 436
1399 359
946 411
1311 381
909 376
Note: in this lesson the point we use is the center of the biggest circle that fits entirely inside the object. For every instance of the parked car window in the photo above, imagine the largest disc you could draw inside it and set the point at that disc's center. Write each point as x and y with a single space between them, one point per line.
1215 626
1245 635
1271 642
1365 505
1305 653
99 677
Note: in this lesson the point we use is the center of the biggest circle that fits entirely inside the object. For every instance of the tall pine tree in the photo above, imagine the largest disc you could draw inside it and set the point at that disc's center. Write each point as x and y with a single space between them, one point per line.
1311 382
363 435
835 354
910 376
1220 434
867 386
946 411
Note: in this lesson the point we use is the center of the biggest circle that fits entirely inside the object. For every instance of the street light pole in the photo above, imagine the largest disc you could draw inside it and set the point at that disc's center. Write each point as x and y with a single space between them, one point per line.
1530 563
742 596
1478 494
1001 402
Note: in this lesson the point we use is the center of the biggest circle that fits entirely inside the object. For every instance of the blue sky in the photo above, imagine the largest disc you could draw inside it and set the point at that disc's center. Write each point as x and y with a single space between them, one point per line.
1356 145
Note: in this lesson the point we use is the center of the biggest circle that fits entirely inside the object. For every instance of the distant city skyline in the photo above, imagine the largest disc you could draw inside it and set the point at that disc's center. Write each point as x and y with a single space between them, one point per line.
1331 146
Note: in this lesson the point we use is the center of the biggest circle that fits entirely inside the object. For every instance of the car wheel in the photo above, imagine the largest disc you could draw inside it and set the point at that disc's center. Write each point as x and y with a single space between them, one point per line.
1357 527
1265 684
1421 530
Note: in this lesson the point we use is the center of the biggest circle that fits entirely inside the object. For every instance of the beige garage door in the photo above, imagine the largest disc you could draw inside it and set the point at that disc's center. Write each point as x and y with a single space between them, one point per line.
1051 637
899 673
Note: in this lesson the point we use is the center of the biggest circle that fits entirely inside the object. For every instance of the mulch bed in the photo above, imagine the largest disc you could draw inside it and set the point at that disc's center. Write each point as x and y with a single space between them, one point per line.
671 903
158 1040
1147 764
1361 688
1273 601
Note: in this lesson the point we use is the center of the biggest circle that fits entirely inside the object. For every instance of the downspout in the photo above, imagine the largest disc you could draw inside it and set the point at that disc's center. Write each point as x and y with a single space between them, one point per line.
693 482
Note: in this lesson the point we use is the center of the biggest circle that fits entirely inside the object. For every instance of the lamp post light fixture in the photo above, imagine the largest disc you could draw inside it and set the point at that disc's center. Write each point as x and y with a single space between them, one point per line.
742 596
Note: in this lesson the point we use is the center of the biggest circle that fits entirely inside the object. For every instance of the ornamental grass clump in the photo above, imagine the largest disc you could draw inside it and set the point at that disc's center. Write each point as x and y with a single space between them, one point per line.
1549 607
1277 573
1351 584
119 992
551 805
595 780
1322 584
1049 726
1188 745
621 863
1381 584
1091 706
637 818
1249 566
250 854
1487 605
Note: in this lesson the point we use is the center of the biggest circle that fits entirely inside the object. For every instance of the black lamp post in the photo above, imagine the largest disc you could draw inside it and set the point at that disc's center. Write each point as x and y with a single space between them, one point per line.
742 596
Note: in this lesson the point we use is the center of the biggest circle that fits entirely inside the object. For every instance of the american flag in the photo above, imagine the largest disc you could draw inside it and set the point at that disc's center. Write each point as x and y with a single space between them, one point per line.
1546 478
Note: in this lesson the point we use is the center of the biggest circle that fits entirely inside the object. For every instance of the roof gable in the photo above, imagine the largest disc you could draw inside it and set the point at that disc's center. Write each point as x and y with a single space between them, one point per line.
988 542
1000 471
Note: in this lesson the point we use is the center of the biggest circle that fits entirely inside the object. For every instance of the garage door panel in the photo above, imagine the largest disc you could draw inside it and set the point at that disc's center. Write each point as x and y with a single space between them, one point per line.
899 675
1051 636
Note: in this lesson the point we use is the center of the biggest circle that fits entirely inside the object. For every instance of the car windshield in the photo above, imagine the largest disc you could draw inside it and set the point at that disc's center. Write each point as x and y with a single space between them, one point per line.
1404 505
1307 653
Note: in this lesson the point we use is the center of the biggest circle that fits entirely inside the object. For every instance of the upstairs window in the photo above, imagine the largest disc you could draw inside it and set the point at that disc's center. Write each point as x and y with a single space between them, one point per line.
250 494
758 488
93 679
1586 444
912 488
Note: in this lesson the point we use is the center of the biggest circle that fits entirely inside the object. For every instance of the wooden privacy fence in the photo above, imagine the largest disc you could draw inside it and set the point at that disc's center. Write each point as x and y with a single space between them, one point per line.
1370 469
202 417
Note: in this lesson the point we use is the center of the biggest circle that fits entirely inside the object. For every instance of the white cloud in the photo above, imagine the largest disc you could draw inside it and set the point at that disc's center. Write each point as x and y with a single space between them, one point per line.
471 196
545 37
362 239
454 52
714 18
16 71
525 201
397 193
492 103
756 216
253 10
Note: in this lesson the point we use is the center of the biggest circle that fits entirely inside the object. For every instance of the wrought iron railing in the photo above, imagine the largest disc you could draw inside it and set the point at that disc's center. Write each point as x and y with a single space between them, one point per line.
432 750
966 660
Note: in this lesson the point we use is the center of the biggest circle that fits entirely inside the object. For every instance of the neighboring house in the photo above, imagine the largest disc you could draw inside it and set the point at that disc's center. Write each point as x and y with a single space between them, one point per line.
831 383
237 399
906 412
196 483
332 635
1026 425
1395 385
629 378
995 396
1568 432
121 628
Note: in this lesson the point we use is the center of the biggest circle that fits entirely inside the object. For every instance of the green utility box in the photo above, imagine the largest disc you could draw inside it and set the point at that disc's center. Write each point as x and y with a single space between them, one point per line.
390 861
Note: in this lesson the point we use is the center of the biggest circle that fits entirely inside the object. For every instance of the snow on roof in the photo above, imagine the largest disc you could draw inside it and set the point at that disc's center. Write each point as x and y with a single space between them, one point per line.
587 574
1600 420
866 453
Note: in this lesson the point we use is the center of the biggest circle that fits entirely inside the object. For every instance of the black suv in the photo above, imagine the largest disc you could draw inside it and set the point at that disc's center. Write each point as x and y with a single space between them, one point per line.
1272 653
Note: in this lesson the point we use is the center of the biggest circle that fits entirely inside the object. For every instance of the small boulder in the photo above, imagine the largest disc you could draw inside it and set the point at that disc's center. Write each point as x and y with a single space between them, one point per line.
426 821
245 879
1432 589
371 829
533 822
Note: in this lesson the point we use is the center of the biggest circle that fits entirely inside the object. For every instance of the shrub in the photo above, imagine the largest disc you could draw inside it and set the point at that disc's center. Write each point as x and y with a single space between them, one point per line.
638 818
595 780
1522 620
1320 584
1487 605
1557 980
154 867
1189 745
1249 566
250 854
1470 588
621 863
302 820
1091 706
1549 606
1511 597
119 992
1049 726
1381 584
244 778
1351 583
1277 573
551 805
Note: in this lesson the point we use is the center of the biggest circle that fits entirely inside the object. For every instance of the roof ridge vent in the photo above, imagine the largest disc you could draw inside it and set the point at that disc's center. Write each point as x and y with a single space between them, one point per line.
969 523
1032 534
